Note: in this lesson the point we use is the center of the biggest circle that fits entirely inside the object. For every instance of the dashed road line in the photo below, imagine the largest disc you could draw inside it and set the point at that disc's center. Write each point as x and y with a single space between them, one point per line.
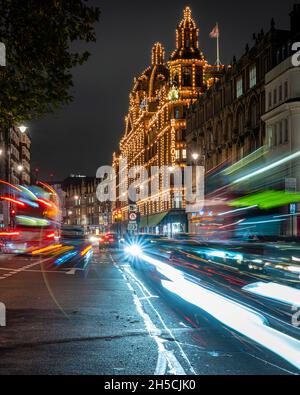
14 272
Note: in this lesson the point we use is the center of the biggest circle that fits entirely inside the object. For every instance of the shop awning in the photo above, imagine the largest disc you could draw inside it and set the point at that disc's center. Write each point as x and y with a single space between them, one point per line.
153 220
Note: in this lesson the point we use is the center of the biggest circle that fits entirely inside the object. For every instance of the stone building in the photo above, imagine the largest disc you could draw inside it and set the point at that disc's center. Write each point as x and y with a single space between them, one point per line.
15 160
155 127
81 206
226 126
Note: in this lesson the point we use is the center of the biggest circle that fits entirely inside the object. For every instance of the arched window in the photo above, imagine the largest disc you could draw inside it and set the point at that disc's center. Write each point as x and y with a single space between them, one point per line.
253 114
187 76
228 129
240 121
218 134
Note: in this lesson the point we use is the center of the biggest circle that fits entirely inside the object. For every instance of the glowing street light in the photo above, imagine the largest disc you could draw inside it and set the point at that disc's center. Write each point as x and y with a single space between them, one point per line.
195 156
23 129
20 168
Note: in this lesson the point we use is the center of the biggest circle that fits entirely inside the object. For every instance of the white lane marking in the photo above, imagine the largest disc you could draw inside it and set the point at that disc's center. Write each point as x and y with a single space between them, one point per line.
165 357
166 328
22 269
71 272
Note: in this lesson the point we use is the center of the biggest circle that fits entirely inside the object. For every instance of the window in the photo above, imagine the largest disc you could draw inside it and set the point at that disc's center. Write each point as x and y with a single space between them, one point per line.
280 137
184 156
178 200
177 154
275 136
240 122
176 113
270 99
239 87
286 131
187 76
286 90
270 136
253 114
252 76
275 97
280 93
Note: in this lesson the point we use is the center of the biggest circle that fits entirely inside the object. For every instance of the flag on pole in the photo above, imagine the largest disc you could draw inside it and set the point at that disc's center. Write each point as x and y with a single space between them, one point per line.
215 33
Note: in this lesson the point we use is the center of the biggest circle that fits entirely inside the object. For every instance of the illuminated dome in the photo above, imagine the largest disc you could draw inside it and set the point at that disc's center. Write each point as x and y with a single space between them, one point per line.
154 77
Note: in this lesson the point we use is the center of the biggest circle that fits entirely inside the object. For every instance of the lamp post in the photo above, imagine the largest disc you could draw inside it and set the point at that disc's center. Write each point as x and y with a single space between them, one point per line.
23 129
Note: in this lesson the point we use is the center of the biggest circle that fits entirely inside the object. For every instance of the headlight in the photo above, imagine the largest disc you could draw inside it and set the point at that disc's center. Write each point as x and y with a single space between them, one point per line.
134 250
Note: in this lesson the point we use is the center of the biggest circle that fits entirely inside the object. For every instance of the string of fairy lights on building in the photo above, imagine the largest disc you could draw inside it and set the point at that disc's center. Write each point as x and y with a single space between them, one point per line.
157 107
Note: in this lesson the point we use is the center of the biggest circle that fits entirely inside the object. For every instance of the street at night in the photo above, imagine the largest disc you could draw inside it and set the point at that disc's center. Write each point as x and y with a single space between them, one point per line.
150 191
114 319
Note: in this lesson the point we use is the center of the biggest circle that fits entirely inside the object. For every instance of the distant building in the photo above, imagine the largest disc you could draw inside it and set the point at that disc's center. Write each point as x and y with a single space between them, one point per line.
81 206
15 160
155 127
226 126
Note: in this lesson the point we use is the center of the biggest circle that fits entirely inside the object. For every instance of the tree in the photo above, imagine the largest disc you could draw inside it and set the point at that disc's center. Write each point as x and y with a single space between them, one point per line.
38 35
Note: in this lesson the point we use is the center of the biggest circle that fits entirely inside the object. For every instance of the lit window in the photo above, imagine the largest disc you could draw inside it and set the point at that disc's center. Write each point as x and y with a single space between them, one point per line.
252 76
184 156
177 154
239 87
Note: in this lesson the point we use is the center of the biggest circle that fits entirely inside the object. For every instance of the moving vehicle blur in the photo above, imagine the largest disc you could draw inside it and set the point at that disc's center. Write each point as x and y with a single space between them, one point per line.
110 241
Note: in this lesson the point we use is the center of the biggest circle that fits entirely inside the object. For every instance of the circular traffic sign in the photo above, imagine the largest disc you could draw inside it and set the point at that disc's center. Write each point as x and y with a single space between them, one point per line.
133 216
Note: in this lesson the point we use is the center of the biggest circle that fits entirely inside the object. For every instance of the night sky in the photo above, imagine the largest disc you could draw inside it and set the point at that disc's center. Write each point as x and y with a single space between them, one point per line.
83 136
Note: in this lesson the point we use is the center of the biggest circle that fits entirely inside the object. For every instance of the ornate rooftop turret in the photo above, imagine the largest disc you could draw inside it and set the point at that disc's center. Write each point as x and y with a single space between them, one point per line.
187 42
158 54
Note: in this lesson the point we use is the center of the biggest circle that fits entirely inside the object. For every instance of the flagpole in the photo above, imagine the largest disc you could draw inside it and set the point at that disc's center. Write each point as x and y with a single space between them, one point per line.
218 47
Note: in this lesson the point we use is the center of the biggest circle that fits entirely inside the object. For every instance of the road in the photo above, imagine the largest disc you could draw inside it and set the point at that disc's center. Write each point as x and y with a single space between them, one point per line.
112 319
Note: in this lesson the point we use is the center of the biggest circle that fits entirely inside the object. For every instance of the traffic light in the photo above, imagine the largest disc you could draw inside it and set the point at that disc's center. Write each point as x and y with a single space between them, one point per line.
118 215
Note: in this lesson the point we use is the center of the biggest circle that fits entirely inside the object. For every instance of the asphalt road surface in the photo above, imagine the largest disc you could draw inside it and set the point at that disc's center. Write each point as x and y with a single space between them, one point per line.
113 319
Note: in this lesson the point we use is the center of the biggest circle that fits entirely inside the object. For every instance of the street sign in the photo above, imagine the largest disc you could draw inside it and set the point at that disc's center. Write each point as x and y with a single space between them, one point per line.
133 217
132 227
133 208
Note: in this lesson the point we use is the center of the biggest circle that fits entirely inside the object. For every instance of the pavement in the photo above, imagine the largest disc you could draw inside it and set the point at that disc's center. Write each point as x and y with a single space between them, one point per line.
113 319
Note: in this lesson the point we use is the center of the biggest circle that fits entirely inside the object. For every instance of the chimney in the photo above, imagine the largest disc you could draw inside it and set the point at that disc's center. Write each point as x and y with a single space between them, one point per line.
295 19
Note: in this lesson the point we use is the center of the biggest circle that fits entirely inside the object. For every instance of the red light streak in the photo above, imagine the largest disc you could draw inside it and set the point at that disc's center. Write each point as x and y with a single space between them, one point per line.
8 234
14 201
44 202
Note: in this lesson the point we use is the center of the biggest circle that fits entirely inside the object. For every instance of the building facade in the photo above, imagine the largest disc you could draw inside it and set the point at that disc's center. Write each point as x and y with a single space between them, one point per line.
155 129
226 126
81 206
282 120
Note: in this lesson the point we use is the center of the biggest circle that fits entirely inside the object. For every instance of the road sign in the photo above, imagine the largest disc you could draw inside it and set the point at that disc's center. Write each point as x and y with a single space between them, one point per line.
133 217
132 227
133 208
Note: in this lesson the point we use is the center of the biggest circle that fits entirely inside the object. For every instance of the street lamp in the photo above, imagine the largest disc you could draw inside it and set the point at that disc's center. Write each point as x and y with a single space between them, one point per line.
195 156
76 197
20 168
23 129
